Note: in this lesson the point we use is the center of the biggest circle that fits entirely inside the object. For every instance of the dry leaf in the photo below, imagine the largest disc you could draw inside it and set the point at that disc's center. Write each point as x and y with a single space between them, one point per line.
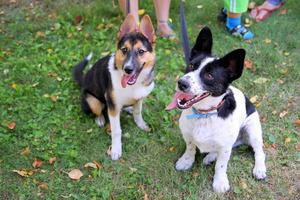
172 149
133 169
24 172
109 151
297 146
43 186
283 113
297 122
248 64
77 19
91 165
146 196
267 41
99 165
287 140
54 98
253 99
260 80
11 125
52 160
40 34
283 12
25 151
75 174
37 163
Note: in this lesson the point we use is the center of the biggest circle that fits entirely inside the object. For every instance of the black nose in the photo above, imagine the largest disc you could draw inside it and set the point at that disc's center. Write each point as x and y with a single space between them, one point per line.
128 69
183 85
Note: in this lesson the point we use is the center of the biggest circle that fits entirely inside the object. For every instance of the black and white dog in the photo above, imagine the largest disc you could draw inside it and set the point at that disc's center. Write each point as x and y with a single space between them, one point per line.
216 116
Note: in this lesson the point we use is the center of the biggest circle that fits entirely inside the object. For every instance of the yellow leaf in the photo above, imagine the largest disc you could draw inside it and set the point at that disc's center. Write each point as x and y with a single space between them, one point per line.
14 86
91 165
24 172
25 151
287 140
268 41
75 174
141 11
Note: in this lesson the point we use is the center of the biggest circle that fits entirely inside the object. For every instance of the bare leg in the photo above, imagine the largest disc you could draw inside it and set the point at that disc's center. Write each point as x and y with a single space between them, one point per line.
134 7
162 16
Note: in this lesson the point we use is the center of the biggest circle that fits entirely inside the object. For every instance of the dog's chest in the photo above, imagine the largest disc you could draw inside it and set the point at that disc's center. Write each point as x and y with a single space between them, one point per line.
209 134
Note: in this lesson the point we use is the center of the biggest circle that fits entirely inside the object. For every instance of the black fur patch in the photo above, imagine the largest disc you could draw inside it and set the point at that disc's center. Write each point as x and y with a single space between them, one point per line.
228 106
250 108
97 82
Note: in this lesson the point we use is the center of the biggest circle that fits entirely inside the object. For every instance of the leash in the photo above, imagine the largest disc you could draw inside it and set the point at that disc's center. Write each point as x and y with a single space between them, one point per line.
184 35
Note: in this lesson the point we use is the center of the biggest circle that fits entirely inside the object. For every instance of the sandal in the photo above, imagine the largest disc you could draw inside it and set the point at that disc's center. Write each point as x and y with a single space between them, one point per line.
161 34
268 12
241 31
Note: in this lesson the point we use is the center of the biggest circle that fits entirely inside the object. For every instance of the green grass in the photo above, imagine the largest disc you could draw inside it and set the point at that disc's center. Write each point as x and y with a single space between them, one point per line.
40 67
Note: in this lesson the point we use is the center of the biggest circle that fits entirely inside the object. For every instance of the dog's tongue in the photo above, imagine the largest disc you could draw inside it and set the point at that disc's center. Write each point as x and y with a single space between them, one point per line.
178 95
125 79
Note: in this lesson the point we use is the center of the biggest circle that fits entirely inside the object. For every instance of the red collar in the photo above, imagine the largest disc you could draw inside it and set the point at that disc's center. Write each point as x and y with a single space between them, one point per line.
212 108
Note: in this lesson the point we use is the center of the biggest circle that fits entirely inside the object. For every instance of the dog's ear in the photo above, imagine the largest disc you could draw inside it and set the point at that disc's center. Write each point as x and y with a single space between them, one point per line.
203 43
233 62
129 25
147 29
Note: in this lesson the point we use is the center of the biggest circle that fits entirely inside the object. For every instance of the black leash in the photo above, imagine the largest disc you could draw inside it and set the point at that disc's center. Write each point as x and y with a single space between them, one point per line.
184 35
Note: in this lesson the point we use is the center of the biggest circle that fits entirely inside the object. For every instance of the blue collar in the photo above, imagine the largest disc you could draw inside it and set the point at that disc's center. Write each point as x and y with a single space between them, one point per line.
197 115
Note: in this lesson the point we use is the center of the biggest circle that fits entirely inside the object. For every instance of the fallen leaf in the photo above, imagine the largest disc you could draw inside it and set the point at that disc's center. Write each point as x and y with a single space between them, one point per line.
43 186
253 99
37 163
248 64
25 151
297 122
75 174
91 165
283 12
141 11
133 169
283 113
284 71
260 80
77 19
24 172
172 149
267 41
11 125
287 140
99 165
199 6
52 74
13 86
40 34
146 196
52 160
297 146
108 152
54 98
286 53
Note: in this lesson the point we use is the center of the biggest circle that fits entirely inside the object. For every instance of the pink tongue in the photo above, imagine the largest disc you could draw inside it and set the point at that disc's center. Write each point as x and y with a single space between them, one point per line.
124 80
178 95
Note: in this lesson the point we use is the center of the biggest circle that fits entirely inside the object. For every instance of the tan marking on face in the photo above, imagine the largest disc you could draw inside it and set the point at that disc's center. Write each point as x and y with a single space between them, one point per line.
120 57
148 57
95 105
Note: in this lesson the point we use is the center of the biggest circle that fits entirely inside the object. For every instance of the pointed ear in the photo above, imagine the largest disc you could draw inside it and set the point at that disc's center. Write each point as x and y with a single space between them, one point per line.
147 29
129 25
203 43
234 63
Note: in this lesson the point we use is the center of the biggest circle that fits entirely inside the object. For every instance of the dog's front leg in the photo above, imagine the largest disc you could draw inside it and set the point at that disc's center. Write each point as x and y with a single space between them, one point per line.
137 115
220 182
116 133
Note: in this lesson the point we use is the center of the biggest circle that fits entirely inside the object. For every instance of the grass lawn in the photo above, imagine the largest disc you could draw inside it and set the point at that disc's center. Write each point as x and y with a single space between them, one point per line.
41 117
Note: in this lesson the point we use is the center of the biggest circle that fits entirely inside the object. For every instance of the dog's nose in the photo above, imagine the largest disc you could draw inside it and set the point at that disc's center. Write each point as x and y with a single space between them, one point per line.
128 69
183 85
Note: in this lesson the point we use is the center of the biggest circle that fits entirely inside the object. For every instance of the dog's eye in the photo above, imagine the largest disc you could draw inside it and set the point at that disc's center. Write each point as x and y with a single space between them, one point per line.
191 67
124 50
141 52
208 76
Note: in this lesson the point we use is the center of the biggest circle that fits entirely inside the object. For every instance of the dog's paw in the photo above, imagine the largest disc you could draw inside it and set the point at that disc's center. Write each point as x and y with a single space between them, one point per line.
128 109
184 163
259 172
221 185
209 158
100 121
142 125
116 153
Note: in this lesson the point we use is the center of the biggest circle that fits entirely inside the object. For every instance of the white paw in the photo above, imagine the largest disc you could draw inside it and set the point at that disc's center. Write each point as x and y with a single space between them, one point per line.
209 158
259 172
142 125
116 153
221 184
184 163
100 121
128 109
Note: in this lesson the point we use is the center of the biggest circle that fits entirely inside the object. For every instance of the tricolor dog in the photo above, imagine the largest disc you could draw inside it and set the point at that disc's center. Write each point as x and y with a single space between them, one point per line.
120 80
215 115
